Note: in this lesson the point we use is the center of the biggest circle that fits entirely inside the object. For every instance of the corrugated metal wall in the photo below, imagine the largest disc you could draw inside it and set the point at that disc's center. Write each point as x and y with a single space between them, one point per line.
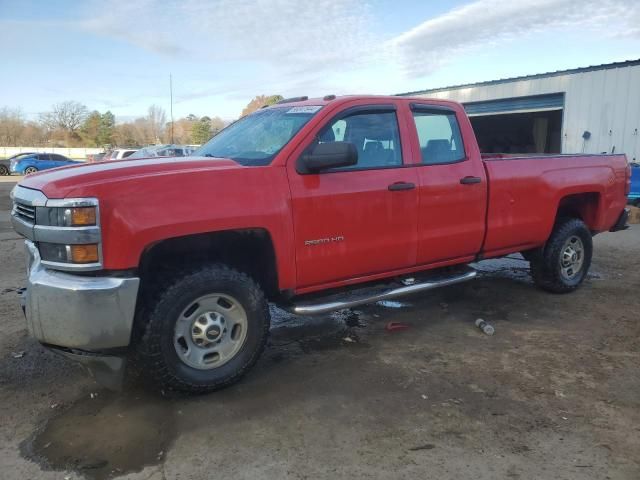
604 102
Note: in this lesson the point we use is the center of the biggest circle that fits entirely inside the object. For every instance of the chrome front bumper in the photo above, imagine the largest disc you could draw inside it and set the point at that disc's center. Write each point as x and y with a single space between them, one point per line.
78 312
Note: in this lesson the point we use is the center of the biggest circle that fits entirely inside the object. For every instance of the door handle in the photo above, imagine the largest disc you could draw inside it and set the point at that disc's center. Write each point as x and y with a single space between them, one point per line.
398 186
470 180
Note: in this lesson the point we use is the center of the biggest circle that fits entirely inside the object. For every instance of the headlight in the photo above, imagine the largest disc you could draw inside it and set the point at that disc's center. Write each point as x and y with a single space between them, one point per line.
74 254
67 233
66 216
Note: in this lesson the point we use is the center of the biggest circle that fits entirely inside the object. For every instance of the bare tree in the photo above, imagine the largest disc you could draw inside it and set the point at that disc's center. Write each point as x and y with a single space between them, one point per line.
156 119
11 126
217 124
67 116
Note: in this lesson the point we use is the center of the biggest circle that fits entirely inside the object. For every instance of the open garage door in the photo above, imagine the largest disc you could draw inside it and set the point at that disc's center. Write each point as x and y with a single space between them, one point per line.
518 125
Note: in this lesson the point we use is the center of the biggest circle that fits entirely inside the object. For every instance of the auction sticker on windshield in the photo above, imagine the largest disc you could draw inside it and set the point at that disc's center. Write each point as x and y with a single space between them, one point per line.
305 109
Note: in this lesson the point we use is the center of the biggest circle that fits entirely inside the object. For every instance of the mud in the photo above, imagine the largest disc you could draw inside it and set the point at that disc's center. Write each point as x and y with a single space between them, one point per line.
105 434
555 393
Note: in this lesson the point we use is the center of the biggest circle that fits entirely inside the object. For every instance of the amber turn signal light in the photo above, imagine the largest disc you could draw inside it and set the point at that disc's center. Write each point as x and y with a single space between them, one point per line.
84 253
83 216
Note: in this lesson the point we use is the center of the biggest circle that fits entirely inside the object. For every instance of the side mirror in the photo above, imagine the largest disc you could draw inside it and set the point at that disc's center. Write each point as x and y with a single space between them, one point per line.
328 155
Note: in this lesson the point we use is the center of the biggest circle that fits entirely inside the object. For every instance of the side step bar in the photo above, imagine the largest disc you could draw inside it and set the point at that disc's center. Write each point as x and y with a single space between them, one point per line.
314 308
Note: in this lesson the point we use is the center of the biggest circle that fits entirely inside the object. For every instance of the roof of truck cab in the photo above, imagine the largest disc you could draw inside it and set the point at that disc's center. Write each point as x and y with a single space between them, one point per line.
345 98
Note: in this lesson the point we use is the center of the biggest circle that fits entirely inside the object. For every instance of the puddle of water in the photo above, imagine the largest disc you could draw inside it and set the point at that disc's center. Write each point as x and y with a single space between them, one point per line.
315 333
353 319
106 436
507 267
392 304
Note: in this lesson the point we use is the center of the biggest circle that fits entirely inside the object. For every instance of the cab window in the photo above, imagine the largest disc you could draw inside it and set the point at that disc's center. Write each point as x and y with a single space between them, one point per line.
374 134
439 136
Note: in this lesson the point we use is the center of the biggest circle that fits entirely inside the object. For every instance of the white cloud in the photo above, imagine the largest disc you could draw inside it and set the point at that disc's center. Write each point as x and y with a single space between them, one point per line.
291 34
226 51
490 23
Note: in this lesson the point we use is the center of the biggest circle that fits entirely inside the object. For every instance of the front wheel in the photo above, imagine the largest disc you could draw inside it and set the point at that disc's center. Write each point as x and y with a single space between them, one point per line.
562 265
4 171
30 170
205 330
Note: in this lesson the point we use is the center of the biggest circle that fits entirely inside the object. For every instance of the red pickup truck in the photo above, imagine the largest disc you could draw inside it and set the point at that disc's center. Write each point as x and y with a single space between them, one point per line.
315 204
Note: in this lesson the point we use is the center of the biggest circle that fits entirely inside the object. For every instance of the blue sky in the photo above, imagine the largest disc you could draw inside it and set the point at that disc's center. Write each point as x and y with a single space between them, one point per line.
117 55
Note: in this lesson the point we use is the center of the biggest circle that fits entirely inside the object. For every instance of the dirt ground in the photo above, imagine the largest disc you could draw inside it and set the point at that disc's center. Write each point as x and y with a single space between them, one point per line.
554 394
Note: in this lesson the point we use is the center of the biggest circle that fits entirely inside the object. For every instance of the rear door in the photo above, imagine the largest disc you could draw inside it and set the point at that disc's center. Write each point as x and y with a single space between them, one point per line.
356 221
59 160
452 185
44 161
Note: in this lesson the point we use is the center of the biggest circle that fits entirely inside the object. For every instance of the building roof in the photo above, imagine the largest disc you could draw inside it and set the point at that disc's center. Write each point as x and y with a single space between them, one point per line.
571 71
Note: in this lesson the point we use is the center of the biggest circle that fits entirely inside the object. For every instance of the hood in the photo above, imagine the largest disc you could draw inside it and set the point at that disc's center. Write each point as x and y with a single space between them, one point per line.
60 182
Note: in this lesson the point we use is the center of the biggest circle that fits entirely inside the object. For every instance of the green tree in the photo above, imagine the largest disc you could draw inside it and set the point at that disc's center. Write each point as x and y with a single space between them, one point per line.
201 132
89 130
106 128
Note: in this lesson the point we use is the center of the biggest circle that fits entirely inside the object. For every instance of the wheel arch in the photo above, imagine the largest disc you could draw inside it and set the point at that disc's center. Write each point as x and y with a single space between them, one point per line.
585 206
250 250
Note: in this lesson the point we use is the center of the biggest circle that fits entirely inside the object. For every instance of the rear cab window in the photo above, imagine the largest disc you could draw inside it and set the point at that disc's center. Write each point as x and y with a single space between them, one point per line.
438 134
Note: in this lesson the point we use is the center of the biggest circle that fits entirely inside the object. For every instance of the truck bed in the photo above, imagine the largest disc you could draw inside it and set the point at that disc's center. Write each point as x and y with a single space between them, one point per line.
525 192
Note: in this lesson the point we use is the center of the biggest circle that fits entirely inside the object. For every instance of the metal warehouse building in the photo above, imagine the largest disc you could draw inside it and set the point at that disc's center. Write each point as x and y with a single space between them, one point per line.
583 110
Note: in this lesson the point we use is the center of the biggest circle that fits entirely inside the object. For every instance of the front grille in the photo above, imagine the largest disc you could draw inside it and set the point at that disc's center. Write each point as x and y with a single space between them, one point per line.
25 212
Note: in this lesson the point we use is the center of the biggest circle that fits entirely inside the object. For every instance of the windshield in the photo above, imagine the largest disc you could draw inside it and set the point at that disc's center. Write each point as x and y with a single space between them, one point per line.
256 139
19 156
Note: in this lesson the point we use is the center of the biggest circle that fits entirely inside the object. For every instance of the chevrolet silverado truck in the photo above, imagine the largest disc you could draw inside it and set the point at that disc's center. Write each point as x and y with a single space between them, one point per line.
313 204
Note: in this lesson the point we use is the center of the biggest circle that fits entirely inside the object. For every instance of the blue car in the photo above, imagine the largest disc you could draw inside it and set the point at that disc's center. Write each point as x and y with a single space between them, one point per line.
634 194
27 164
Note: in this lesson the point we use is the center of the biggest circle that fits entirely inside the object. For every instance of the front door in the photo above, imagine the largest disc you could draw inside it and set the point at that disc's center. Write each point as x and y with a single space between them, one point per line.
361 220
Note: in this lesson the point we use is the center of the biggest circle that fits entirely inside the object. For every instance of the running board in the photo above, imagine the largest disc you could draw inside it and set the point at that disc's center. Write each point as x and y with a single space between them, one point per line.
371 295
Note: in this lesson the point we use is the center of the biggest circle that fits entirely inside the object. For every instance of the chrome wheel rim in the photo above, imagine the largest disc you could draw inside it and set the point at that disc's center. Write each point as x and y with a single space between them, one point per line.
572 258
210 331
30 170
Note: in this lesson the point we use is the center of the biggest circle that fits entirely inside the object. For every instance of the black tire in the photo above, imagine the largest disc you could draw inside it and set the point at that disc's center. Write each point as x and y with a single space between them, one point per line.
157 352
546 263
4 171
30 170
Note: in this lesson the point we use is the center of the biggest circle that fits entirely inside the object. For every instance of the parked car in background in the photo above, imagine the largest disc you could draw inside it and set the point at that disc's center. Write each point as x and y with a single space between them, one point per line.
95 157
164 151
30 163
634 193
5 164
119 154
4 167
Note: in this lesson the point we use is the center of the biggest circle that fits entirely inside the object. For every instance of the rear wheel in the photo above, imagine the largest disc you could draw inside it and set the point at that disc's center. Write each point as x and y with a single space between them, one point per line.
562 265
4 171
205 330
30 170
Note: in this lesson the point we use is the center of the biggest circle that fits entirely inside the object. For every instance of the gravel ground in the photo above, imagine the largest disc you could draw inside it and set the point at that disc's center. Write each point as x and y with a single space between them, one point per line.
554 394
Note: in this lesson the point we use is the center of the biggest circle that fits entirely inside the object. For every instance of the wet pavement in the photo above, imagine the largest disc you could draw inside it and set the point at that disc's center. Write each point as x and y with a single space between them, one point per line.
553 394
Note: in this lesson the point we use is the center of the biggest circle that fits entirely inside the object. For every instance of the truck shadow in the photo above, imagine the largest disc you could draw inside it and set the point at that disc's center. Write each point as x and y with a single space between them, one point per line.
106 434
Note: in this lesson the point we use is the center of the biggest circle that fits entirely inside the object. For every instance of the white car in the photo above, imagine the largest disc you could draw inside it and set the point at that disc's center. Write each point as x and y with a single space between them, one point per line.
119 154
165 151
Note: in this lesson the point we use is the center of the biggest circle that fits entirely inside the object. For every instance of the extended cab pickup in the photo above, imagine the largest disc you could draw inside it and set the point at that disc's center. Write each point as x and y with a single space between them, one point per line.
314 204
